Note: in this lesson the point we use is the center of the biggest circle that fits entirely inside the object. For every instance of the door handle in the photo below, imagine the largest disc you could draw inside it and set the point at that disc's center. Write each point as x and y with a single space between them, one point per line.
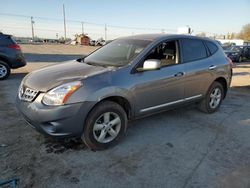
179 74
212 67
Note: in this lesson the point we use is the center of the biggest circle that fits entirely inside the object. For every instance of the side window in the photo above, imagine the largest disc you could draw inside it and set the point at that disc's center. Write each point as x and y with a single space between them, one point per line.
193 49
5 40
212 47
166 52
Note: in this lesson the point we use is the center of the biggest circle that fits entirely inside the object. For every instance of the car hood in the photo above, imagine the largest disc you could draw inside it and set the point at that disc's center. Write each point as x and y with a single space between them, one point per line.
52 76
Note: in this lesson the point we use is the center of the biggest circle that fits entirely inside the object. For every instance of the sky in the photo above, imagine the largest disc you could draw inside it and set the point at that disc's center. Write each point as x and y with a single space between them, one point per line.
148 16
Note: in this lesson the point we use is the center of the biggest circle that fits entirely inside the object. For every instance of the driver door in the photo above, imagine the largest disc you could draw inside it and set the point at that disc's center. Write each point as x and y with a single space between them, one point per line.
159 89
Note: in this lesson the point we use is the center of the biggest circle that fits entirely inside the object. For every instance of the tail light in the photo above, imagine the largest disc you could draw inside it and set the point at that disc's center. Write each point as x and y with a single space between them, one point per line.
14 46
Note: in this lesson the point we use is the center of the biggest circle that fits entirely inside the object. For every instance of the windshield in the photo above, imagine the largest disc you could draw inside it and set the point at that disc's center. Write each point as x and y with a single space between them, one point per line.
117 53
235 49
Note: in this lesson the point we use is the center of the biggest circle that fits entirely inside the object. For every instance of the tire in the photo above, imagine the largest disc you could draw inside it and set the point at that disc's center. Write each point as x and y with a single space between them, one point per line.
206 105
100 133
240 59
4 70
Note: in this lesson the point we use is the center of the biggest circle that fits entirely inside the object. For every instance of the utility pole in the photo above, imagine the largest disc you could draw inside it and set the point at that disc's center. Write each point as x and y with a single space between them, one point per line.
32 28
105 32
64 20
82 28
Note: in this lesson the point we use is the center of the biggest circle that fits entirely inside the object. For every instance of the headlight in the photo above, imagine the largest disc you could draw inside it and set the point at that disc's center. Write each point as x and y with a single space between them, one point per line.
60 94
20 90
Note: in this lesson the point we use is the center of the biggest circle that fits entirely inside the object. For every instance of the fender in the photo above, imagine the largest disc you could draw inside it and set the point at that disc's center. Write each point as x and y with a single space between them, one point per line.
4 58
83 95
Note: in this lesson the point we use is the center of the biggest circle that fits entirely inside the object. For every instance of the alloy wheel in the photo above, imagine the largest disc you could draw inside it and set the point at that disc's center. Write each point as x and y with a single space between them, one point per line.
107 127
215 97
3 71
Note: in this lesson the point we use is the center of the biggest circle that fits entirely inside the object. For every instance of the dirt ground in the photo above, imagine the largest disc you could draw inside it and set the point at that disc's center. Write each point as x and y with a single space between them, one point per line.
178 148
56 49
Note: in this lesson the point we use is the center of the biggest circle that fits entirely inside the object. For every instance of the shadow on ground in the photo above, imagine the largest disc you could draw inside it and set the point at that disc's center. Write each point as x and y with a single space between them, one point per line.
241 88
61 145
241 73
242 66
17 76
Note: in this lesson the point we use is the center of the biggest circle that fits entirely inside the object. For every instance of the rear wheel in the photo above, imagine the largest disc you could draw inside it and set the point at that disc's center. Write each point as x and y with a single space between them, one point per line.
240 59
105 125
4 70
213 98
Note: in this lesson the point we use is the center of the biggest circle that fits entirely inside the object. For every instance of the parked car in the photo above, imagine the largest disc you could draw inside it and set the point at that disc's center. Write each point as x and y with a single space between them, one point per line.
246 43
92 42
11 56
100 42
237 53
94 97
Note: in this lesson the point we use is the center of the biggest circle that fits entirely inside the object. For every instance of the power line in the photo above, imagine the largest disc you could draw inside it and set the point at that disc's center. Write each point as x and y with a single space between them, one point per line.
85 22
37 29
14 15
102 29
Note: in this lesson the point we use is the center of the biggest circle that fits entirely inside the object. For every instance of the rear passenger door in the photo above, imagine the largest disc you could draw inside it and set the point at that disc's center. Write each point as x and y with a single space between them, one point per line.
198 67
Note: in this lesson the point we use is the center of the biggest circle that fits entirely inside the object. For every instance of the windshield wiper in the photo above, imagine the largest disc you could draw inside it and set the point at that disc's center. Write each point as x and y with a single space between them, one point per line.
96 64
105 64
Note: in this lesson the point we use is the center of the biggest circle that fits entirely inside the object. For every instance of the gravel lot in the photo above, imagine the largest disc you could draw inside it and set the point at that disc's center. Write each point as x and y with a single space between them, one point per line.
178 148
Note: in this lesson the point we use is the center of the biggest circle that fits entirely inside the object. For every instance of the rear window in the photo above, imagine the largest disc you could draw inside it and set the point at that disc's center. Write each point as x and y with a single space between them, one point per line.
212 47
193 49
6 40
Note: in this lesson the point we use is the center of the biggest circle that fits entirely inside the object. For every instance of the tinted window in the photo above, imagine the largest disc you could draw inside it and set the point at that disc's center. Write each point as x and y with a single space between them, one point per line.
5 40
193 49
212 47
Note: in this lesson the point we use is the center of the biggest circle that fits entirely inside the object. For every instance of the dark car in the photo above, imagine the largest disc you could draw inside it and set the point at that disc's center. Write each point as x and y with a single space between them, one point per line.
11 56
94 97
235 53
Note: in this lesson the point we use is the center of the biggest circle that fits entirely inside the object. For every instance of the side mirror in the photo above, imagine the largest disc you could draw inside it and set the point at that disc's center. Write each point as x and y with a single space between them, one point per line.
150 64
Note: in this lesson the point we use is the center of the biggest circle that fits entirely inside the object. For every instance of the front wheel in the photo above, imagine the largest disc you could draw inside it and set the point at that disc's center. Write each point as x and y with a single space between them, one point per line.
213 98
104 126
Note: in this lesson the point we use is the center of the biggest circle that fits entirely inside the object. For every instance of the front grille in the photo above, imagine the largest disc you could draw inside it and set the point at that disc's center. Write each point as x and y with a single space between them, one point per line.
27 94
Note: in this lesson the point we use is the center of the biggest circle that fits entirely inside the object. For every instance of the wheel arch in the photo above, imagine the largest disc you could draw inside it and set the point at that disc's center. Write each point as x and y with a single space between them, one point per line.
223 82
123 102
4 59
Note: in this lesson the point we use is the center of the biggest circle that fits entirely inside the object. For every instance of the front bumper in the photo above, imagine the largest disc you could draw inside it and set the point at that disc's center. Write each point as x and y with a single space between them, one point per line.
59 121
18 61
18 64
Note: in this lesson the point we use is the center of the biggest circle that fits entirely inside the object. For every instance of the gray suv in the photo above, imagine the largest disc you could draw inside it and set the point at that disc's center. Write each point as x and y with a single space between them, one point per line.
94 97
11 56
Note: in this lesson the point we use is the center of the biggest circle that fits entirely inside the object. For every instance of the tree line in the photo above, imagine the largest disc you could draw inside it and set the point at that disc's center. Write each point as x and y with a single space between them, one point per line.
245 32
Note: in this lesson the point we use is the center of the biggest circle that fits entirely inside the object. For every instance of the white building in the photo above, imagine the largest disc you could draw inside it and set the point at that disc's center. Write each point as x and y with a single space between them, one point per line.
237 42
